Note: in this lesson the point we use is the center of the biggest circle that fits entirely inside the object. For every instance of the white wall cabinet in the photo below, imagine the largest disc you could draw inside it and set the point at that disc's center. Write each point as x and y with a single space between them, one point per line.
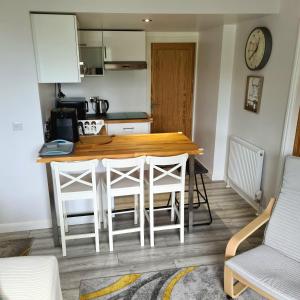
124 45
128 128
56 47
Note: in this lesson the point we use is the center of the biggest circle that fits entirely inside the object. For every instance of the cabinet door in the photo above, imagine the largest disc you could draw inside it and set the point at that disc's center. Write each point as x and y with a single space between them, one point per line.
124 45
56 47
91 52
128 128
90 38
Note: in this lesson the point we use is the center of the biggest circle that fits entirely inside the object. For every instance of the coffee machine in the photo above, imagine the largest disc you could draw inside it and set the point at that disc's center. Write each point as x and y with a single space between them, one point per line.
79 103
64 124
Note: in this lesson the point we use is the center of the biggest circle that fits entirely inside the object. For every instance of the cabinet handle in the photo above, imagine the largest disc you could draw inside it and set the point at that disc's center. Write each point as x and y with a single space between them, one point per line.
81 67
105 52
128 128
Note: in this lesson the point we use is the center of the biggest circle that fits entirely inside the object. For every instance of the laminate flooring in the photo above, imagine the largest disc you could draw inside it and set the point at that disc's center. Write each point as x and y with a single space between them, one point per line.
204 246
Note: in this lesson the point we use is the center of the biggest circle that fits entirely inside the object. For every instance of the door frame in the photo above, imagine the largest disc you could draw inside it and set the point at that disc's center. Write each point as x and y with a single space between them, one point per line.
172 37
291 116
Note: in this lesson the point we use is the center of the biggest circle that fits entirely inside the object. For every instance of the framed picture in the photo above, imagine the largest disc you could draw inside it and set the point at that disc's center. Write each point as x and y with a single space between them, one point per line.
253 93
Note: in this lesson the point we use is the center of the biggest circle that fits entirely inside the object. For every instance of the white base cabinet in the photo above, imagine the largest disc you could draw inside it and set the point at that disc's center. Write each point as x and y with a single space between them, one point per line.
56 48
127 128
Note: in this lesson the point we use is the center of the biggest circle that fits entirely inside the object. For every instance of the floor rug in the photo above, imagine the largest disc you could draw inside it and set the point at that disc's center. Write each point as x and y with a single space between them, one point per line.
19 247
199 282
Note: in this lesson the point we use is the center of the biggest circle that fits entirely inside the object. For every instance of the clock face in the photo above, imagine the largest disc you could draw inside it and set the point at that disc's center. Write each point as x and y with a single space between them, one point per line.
258 48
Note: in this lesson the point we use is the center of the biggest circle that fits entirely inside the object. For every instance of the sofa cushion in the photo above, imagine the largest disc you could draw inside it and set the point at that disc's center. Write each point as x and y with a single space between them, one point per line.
269 270
283 230
29 278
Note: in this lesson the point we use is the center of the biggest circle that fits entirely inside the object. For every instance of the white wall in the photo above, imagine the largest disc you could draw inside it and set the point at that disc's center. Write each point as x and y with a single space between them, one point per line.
23 196
265 129
47 99
206 106
211 117
224 97
125 90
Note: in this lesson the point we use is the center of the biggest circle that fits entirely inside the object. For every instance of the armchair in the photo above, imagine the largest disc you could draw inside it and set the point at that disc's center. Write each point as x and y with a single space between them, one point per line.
273 268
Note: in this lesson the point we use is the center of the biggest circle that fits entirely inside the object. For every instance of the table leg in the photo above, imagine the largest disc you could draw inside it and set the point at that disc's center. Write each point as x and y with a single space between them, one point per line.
52 206
191 192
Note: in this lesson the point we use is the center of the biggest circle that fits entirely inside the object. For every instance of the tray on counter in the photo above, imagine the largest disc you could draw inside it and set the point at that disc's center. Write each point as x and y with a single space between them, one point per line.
56 148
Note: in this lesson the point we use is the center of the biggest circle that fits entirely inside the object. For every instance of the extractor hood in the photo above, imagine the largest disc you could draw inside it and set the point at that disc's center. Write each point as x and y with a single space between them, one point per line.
125 65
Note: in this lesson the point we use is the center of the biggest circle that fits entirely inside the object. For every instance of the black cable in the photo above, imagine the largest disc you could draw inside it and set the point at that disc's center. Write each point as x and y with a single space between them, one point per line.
60 94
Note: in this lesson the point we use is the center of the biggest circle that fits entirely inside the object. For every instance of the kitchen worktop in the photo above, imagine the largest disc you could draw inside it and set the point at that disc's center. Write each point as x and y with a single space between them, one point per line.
122 117
126 146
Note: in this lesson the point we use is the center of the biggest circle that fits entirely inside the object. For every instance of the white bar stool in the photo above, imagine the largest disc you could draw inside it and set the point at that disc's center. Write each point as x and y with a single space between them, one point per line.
76 181
166 180
124 177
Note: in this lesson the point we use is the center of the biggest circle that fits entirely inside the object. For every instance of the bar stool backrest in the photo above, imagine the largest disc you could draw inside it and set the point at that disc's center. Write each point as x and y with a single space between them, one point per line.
175 165
118 170
67 174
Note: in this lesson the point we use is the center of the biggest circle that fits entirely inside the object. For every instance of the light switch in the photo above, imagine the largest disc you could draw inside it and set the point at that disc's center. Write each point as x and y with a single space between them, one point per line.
17 126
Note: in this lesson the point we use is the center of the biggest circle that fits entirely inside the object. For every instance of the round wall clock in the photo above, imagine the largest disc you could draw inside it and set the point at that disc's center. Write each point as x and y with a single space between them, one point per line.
258 48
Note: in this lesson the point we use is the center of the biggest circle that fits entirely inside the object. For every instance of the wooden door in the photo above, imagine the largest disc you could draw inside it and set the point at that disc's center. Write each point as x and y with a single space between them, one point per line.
172 84
297 138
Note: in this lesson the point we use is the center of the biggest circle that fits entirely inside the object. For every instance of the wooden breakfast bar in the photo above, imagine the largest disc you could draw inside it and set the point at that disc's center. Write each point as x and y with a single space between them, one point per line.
126 146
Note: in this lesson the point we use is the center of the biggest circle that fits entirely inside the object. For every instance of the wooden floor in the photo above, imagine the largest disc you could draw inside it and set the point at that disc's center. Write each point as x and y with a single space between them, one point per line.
205 245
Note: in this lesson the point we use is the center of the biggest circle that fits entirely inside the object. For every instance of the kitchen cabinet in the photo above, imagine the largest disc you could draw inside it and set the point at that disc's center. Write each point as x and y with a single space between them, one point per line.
127 128
91 52
124 46
56 48
90 38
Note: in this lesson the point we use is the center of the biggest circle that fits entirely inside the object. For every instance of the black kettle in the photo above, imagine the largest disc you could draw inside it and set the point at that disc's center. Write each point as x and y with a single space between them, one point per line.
101 106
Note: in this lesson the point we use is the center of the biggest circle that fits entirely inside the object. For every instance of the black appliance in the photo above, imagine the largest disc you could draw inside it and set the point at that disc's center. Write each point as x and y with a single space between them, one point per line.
64 124
79 103
101 106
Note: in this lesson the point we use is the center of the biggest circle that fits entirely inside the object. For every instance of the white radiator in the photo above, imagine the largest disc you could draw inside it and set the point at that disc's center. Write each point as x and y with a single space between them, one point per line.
244 173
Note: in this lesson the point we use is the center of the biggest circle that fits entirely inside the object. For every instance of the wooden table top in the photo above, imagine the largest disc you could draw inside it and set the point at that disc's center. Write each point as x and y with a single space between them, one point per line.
134 145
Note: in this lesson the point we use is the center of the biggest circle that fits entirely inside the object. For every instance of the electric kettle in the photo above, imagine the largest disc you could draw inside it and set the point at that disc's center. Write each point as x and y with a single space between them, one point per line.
101 106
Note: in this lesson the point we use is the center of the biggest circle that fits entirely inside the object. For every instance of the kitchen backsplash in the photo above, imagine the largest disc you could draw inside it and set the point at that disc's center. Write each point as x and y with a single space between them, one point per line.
125 90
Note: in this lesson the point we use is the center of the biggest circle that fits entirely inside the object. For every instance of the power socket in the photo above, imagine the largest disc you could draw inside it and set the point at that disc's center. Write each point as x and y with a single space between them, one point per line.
17 126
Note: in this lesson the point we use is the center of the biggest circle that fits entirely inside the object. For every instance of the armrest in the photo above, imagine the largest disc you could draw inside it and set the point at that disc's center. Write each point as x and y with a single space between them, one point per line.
249 229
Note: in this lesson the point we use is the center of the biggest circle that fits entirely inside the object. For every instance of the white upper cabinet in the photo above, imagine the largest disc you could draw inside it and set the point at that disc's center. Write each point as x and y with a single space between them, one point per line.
56 47
124 45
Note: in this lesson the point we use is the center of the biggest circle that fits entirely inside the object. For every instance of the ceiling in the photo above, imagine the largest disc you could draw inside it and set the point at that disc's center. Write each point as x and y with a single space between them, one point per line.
160 22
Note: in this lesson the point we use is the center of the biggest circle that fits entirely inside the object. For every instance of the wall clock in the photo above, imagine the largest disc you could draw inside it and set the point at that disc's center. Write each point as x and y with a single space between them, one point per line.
258 48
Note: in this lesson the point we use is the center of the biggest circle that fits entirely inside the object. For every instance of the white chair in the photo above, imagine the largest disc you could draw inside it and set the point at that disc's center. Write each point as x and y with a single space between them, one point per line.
169 179
76 181
124 177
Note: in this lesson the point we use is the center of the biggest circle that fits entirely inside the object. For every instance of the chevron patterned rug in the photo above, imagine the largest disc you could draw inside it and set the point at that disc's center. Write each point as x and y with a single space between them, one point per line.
198 282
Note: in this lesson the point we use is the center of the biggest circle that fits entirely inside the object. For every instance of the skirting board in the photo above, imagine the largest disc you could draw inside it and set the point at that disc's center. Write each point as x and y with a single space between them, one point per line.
23 226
